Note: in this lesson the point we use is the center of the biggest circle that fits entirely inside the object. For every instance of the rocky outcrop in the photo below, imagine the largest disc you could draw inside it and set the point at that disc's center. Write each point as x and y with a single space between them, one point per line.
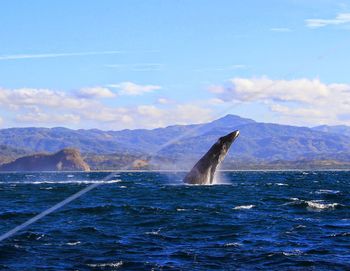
64 160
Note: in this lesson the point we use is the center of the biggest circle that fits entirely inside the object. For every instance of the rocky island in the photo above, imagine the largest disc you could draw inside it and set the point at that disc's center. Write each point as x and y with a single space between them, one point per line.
68 159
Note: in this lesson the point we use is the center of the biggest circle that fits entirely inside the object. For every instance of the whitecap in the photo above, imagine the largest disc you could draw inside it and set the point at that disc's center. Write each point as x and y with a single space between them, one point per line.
294 199
73 243
320 205
180 210
282 184
300 227
40 236
292 253
153 232
116 264
17 246
244 207
234 244
340 234
327 191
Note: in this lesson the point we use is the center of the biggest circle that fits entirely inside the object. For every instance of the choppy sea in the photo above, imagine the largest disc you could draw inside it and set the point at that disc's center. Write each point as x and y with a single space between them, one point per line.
151 221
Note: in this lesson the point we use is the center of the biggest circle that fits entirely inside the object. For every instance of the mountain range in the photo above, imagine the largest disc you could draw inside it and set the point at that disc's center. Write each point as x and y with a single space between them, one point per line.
265 145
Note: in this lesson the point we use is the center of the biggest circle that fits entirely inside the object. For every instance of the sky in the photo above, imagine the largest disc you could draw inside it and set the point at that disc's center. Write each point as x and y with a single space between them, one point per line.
152 63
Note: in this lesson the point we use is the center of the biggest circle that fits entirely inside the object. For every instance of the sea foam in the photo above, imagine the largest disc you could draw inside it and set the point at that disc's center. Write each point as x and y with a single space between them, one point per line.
63 182
244 207
319 204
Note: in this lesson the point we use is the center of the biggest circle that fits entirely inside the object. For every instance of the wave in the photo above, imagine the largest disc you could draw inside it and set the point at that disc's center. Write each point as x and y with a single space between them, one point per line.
115 265
278 184
342 234
63 182
12 214
327 191
107 208
244 207
313 204
292 253
153 232
234 244
319 204
73 243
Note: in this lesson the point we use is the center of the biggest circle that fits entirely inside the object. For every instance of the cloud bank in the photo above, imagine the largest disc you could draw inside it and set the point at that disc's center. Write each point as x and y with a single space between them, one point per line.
300 101
86 108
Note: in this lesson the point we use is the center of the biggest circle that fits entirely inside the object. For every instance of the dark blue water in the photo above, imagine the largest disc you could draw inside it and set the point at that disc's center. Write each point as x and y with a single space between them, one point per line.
150 221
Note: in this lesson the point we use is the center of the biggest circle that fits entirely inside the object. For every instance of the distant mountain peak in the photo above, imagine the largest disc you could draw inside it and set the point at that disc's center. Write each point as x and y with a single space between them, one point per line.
231 121
231 117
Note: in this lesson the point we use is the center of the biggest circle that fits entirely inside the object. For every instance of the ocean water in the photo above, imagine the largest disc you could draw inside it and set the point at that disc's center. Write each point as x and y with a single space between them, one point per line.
151 221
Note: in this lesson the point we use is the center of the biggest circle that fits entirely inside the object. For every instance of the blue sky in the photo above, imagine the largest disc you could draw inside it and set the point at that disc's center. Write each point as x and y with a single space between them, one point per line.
150 63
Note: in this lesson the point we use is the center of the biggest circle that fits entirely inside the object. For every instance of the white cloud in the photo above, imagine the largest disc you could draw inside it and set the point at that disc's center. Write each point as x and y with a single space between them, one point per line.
132 89
96 92
263 88
215 101
48 118
299 101
1 121
147 116
42 97
46 107
55 55
150 110
280 29
164 101
108 115
217 89
189 113
341 18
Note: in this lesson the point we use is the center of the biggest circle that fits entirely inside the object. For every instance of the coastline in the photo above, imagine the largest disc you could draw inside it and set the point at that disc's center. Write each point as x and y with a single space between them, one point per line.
182 170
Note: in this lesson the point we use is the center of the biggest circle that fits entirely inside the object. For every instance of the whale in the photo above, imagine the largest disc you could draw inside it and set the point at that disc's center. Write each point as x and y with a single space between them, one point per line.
203 171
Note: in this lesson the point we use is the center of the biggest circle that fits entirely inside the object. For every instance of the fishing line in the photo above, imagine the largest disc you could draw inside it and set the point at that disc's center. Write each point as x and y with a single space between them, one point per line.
110 176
